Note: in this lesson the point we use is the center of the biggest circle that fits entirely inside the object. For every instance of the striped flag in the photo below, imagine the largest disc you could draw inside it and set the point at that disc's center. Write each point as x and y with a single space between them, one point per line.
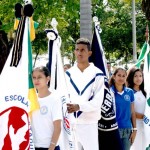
108 128
15 127
58 83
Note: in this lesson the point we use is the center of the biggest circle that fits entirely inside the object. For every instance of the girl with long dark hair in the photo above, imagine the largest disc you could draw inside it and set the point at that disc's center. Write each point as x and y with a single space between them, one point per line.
135 81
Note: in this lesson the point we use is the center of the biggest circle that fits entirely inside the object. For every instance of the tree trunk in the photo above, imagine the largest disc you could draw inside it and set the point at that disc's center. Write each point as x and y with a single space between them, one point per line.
146 8
134 31
85 19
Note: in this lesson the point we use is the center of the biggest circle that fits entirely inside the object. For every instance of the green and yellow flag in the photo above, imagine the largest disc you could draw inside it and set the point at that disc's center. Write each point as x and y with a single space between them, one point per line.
32 96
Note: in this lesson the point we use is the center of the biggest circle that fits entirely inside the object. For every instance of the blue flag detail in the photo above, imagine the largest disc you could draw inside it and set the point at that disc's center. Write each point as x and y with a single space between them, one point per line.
108 128
97 53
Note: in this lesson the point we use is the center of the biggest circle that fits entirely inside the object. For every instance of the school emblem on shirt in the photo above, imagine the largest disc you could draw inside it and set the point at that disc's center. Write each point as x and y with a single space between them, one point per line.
127 97
44 110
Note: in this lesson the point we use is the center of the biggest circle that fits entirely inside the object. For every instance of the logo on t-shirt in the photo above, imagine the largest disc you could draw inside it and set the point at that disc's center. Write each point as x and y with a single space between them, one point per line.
127 97
44 110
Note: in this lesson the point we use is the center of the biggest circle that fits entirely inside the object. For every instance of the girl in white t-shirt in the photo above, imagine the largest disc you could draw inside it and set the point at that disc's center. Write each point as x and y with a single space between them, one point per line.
46 122
135 81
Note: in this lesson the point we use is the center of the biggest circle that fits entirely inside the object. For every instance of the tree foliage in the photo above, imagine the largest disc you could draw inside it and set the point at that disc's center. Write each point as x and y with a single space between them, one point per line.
115 20
116 23
65 12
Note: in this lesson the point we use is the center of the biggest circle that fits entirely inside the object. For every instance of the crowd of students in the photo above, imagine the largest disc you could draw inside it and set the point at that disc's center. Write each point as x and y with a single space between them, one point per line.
86 90
86 87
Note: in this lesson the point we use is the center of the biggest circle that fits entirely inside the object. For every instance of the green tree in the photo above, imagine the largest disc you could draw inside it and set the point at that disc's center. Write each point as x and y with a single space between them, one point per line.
67 15
129 1
116 24
115 20
65 12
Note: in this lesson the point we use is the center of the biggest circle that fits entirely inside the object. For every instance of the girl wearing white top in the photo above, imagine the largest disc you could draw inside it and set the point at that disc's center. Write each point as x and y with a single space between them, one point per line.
46 122
136 82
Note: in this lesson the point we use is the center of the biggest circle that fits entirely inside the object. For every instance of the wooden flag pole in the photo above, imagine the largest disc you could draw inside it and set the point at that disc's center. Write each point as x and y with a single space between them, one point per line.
147 33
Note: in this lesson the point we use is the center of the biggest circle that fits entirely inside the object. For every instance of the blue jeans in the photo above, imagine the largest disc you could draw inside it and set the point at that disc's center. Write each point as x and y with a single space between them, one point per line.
125 135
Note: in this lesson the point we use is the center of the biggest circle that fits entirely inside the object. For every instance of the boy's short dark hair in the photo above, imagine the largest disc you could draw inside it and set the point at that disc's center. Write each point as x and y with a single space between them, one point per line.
84 41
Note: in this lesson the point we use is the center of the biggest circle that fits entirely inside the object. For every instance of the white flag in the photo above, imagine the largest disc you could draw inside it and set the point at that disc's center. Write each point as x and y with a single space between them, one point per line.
147 107
58 83
15 129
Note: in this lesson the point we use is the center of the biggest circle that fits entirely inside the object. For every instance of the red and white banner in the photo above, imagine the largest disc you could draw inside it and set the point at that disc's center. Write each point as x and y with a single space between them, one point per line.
15 130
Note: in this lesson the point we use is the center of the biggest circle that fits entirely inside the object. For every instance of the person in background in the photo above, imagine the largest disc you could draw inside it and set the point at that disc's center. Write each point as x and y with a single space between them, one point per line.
135 81
142 66
124 107
109 69
85 84
66 67
46 122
